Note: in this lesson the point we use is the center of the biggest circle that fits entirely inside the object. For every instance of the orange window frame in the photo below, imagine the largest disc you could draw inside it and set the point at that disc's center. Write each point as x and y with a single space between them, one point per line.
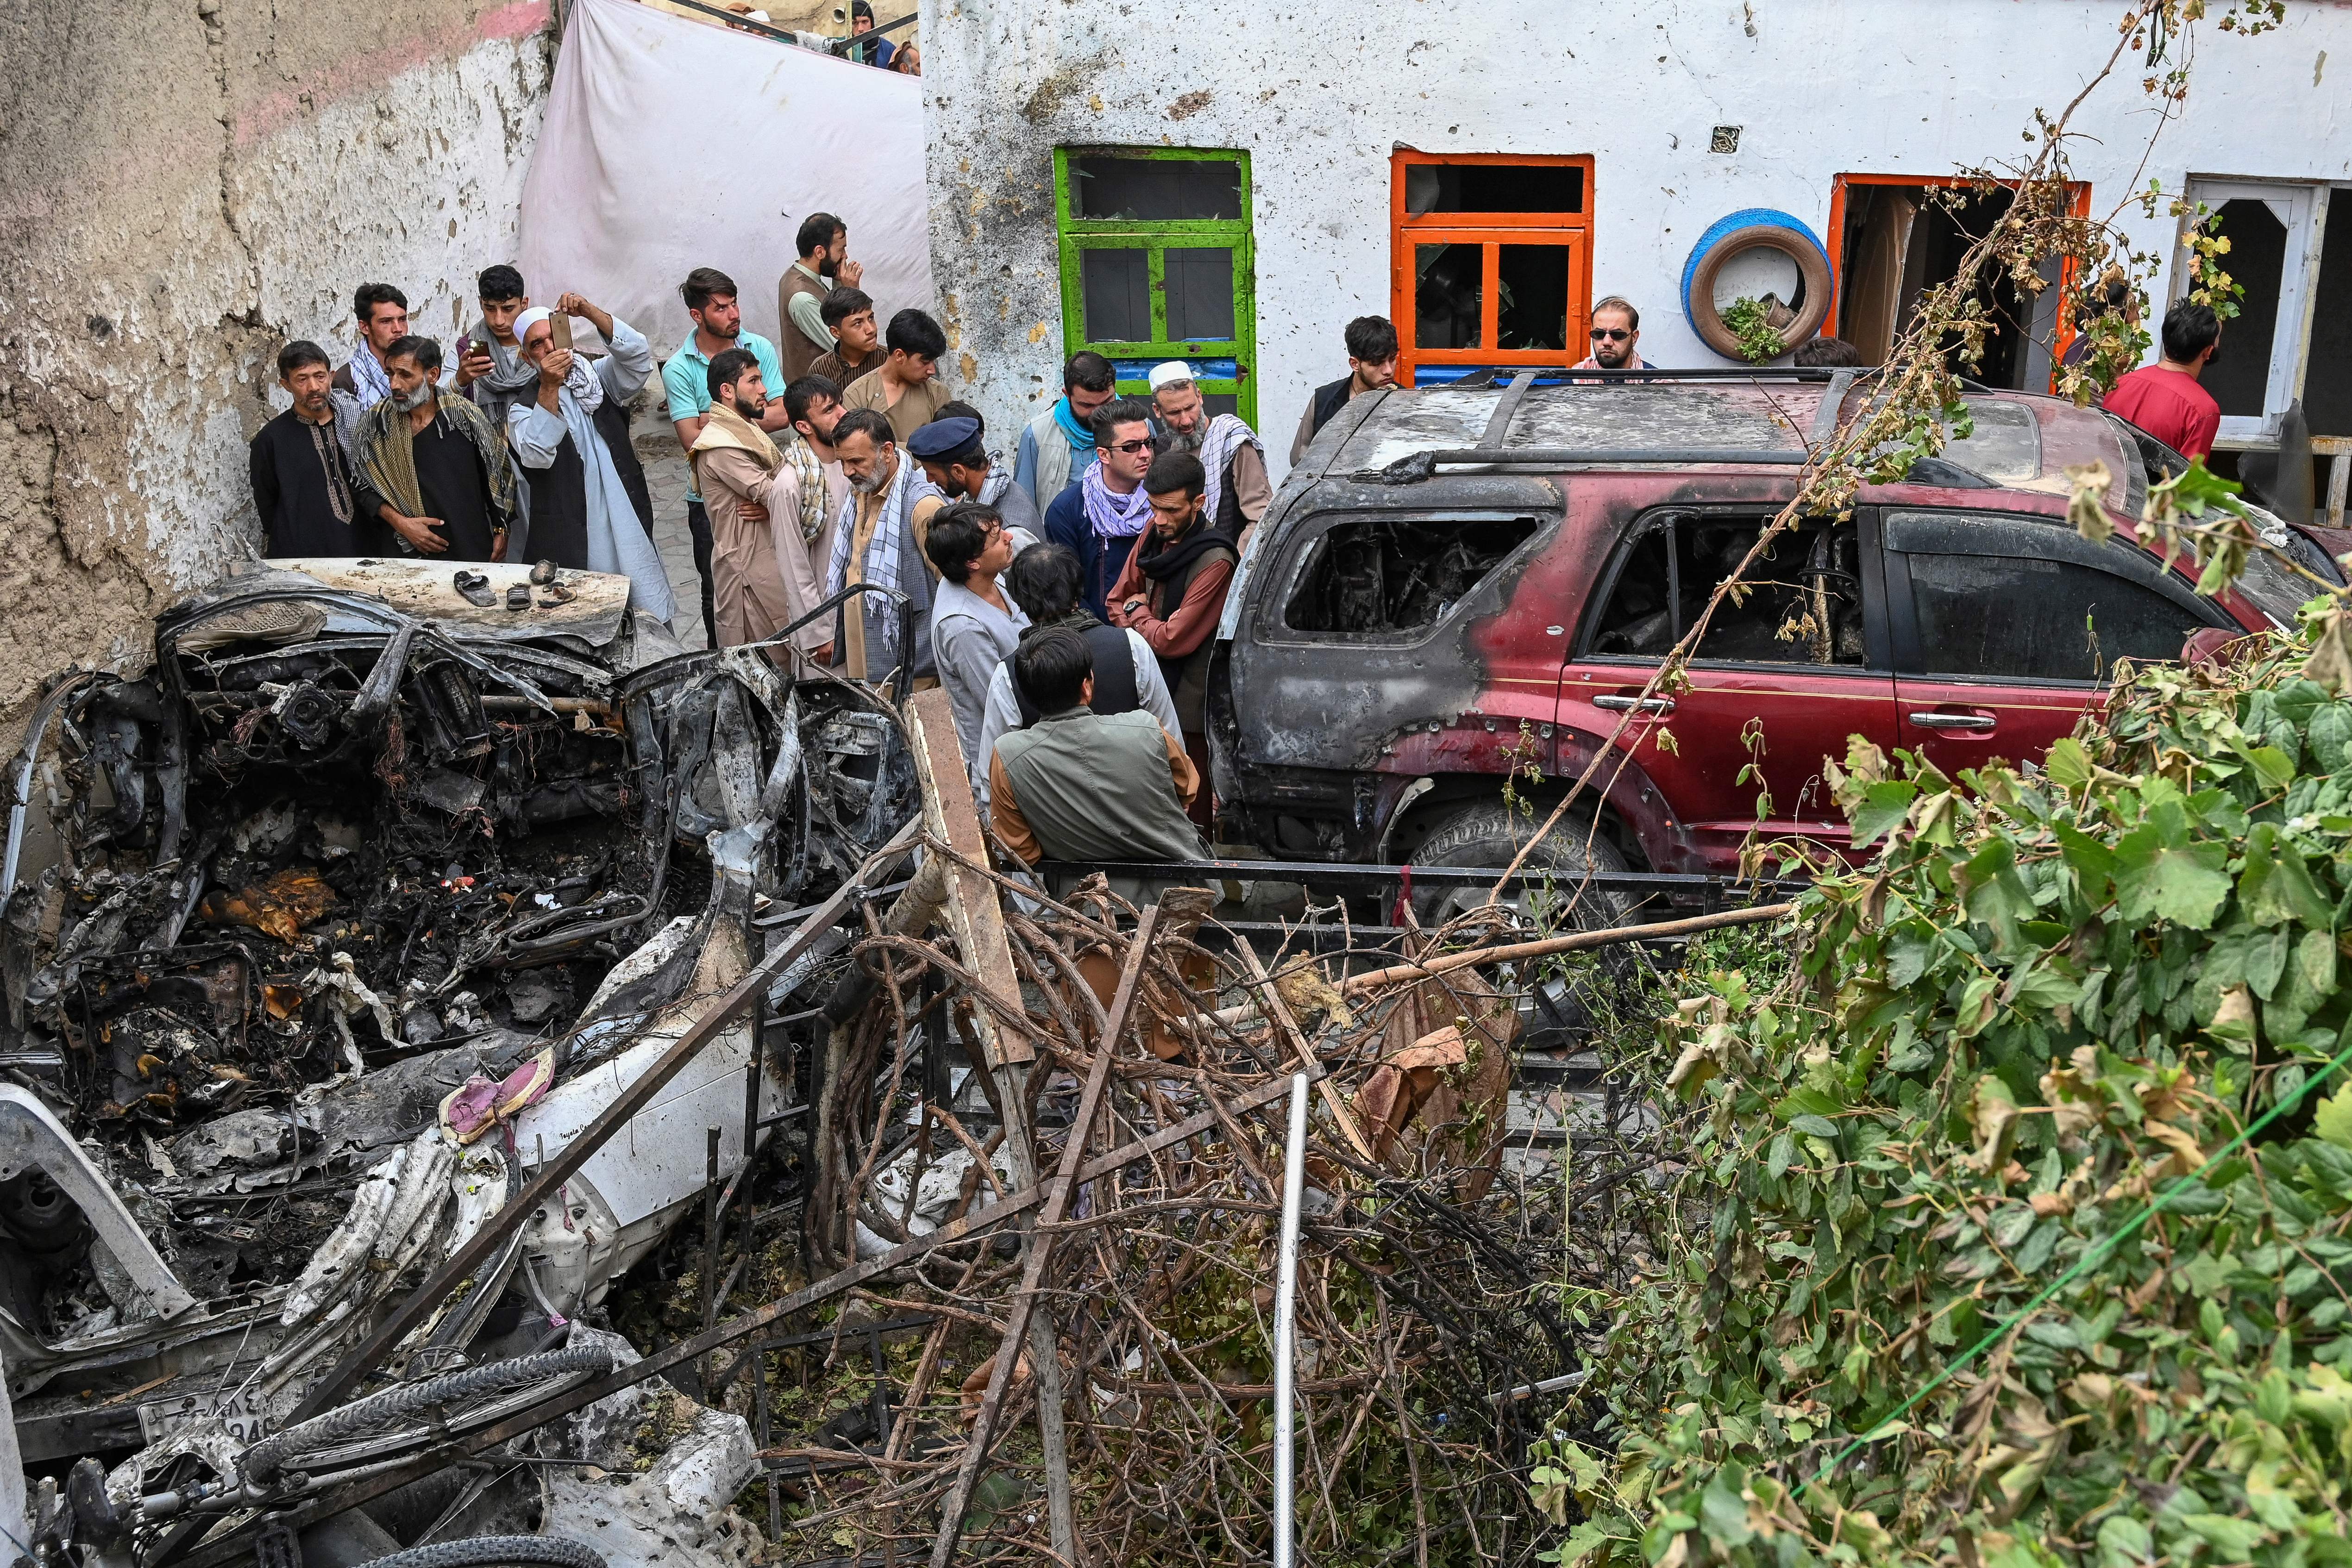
2078 205
1571 230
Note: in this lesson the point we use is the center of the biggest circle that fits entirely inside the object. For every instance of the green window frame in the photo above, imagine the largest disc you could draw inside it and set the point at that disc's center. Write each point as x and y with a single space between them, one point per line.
1227 363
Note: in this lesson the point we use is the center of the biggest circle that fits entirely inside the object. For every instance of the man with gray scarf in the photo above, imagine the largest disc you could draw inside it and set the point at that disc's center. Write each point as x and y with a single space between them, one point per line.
441 467
879 540
490 367
1231 454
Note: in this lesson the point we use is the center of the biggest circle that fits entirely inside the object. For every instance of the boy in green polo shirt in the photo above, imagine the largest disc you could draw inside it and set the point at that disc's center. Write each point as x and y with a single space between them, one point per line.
718 317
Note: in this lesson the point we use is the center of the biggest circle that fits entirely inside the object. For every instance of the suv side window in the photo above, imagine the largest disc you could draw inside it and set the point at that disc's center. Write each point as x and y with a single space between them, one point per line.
1391 579
1806 607
2003 598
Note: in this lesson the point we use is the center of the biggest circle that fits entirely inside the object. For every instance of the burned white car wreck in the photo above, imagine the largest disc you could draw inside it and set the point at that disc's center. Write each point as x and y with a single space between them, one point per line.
363 901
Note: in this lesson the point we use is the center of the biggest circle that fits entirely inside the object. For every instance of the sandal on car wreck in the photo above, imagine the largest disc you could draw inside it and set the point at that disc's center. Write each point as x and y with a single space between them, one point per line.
519 596
543 573
475 587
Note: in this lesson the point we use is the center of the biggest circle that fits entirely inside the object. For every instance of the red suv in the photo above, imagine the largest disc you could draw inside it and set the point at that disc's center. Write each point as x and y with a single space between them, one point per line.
1462 582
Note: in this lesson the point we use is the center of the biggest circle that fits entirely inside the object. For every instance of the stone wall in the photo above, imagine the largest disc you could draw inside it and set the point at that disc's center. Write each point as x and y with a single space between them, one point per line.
185 185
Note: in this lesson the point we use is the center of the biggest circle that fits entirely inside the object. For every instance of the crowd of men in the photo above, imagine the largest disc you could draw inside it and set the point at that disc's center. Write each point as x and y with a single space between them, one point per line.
1067 605
1066 602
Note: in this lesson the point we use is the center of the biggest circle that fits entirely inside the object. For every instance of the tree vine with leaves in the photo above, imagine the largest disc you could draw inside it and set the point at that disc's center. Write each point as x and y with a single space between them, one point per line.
1853 1348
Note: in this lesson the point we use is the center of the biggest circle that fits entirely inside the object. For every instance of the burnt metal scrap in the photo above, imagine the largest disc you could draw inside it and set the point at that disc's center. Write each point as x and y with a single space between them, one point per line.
362 903
485 1074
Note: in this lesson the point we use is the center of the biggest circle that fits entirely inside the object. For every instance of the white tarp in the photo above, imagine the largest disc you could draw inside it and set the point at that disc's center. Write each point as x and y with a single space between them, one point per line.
671 144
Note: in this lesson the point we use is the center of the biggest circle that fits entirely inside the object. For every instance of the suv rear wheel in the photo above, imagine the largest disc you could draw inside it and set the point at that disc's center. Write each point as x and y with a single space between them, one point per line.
1490 834
1554 1013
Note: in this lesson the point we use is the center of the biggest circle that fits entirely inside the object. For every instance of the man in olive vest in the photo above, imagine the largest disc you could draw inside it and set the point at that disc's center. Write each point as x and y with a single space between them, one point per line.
1172 594
1058 446
1088 787
821 267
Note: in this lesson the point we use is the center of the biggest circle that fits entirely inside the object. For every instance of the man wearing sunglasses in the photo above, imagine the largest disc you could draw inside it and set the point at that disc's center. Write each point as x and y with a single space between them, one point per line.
1616 329
1103 513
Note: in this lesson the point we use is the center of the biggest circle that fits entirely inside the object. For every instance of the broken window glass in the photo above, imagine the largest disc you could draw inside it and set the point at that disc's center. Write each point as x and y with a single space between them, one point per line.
1805 607
1448 289
2239 375
2004 442
1639 619
1200 281
1105 185
2327 378
2022 619
1116 286
1531 296
1383 577
1493 188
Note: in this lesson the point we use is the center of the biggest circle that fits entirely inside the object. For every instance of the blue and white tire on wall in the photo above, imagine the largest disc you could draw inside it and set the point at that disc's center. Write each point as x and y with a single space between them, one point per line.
1748 254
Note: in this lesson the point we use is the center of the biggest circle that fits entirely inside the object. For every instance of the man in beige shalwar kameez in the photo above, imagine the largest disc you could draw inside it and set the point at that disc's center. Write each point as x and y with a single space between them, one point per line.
735 468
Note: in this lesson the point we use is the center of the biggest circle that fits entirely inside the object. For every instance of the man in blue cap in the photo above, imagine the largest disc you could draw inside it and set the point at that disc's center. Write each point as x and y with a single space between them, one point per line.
955 458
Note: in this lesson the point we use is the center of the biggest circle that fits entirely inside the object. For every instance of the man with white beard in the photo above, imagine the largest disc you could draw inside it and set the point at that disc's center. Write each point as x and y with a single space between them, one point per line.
442 468
1229 450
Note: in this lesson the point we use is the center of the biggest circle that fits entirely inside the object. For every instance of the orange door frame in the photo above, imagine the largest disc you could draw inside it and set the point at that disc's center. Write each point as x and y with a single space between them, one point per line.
2078 204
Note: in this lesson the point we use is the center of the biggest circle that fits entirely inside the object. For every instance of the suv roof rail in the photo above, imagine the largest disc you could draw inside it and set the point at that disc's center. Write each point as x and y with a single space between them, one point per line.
1414 467
1490 375
1491 448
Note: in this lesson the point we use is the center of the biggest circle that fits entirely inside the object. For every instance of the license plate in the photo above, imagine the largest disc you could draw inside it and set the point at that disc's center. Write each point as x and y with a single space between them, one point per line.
239 1409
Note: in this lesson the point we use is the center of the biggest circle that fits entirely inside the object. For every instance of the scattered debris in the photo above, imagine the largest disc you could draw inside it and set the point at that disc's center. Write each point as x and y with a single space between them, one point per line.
515 1102
364 902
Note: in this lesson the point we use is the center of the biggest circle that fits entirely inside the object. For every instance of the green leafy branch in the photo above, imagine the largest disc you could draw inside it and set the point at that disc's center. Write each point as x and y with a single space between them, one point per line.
1761 342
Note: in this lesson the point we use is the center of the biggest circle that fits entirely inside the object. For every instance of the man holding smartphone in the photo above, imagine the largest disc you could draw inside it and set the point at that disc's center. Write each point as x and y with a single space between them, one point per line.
579 513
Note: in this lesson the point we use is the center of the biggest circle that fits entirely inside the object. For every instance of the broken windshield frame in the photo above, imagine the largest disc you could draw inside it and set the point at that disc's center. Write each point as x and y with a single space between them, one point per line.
1508 537
2273 589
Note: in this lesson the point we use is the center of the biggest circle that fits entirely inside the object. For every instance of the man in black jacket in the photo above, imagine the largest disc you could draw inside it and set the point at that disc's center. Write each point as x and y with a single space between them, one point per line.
1371 365
311 501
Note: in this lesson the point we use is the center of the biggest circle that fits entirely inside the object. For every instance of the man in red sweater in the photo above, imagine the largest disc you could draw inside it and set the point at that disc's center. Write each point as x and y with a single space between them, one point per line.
2164 399
1173 593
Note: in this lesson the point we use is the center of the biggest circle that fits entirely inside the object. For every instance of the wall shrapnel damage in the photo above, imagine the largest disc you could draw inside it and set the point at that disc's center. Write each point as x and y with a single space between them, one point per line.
227 182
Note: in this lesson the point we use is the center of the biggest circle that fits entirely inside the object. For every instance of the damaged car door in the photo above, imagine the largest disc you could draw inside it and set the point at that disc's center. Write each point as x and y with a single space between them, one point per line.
2005 627
1777 684
1386 642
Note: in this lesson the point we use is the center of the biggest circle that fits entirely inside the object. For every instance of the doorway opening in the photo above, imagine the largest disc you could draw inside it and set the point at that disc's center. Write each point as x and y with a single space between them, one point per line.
1891 237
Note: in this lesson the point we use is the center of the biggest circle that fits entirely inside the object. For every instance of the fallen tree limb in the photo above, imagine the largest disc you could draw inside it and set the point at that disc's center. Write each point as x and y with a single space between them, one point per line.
1113 1385
237 1545
1270 998
1574 941
1032 1276
1471 958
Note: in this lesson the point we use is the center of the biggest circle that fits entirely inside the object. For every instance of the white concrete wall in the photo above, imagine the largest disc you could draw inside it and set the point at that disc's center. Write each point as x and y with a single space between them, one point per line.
1320 92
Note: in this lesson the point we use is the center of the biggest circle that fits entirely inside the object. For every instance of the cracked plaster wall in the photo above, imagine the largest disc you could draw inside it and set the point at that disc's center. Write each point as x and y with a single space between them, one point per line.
1320 92
186 185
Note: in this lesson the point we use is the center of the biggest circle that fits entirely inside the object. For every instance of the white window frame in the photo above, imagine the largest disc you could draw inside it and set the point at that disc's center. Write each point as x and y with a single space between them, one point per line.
2302 207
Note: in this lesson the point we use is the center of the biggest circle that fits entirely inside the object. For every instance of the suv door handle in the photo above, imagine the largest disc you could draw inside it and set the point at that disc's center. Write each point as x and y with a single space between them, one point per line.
1973 721
1635 705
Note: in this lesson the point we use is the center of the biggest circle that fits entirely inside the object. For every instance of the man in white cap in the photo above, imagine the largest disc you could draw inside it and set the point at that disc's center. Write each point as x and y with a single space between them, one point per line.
579 512
1230 452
